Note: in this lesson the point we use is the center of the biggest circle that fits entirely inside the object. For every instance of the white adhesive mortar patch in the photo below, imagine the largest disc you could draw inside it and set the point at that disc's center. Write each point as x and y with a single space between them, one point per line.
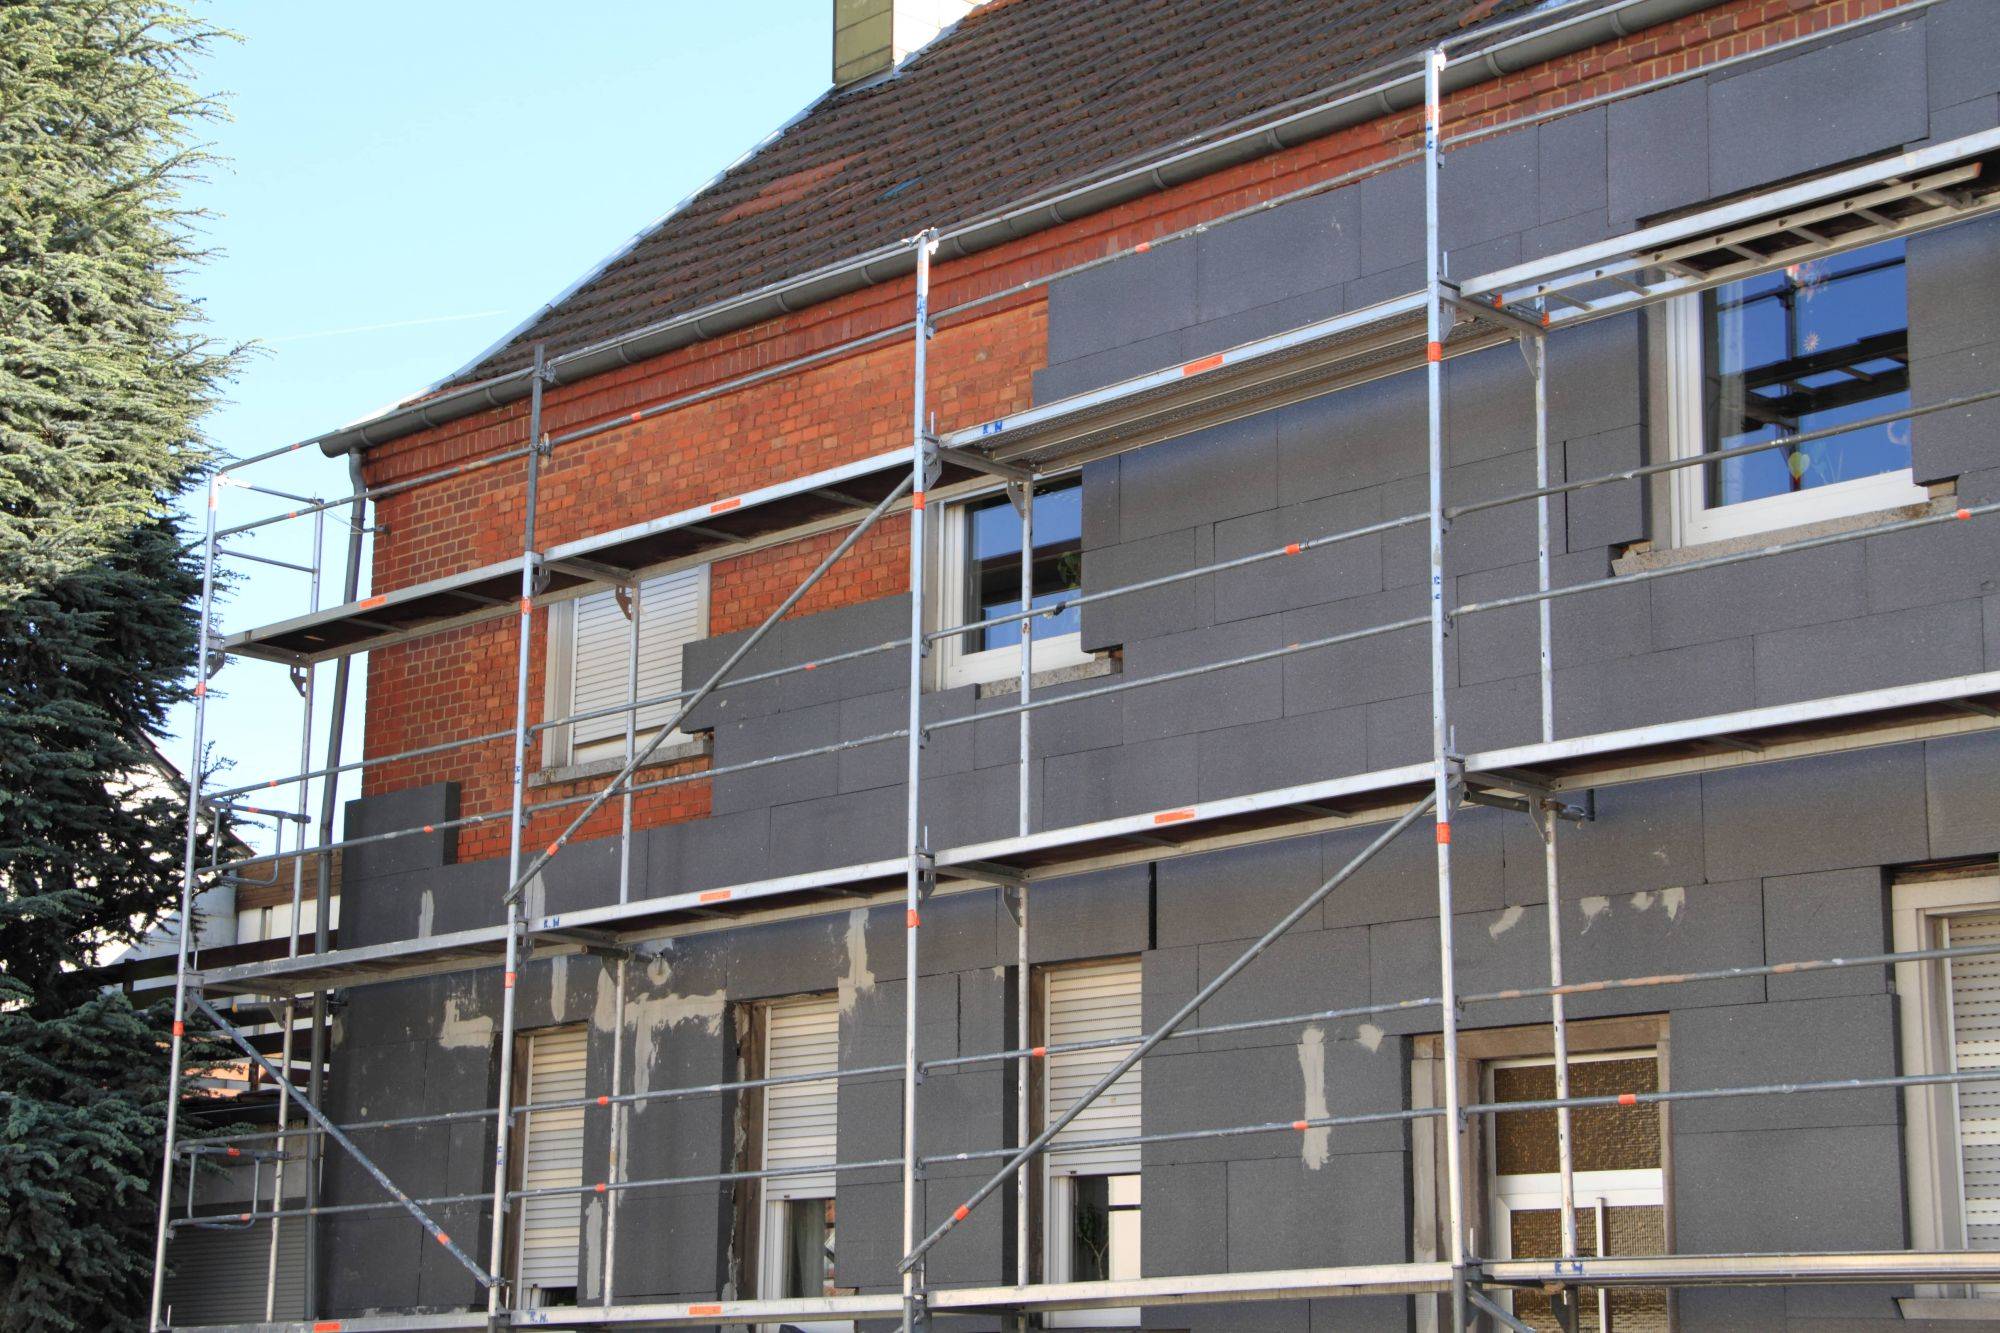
1316 1142
859 980
465 1027
1370 1037
1508 920
1592 908
426 913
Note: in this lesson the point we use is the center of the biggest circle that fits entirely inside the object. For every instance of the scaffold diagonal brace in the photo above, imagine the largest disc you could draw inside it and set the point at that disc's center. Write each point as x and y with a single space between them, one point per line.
334 1132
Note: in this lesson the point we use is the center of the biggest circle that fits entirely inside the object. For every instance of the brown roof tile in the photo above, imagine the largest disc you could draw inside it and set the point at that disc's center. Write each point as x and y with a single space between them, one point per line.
1020 97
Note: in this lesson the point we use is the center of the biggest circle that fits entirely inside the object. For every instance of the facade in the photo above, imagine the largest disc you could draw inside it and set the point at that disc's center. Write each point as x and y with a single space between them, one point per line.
779 944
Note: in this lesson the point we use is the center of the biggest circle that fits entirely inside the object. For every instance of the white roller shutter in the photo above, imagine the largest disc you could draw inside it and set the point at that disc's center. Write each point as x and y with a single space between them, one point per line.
553 1158
1091 1003
673 610
218 1276
1975 1025
801 1120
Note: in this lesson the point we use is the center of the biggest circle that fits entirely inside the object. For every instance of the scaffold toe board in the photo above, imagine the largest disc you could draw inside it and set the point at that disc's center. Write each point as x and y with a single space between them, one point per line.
1251 378
718 528
1760 735
1742 1270
1397 1279
1915 191
1878 201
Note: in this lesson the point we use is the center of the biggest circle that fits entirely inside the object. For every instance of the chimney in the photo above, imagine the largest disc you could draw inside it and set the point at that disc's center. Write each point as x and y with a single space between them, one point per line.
870 36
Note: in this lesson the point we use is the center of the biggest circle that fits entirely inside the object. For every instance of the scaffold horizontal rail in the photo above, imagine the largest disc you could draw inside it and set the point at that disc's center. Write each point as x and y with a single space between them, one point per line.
712 530
1743 1270
1854 721
1899 196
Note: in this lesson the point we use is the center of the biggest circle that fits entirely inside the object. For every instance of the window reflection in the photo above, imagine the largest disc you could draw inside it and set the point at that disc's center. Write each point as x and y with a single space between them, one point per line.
1804 349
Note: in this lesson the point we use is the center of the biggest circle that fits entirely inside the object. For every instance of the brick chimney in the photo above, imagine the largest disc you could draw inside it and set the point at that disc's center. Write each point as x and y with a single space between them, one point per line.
870 36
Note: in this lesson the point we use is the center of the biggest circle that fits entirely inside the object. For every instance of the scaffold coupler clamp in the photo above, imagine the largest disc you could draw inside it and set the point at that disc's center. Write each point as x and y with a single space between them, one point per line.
926 874
1454 779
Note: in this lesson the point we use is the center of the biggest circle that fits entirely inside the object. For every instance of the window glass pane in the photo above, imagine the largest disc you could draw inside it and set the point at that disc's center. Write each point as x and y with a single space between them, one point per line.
1534 1234
1806 349
993 562
1104 1228
809 1267
1607 1138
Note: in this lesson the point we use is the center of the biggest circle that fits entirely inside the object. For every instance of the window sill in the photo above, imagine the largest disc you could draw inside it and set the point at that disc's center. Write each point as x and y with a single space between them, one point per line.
1108 663
603 768
1968 1308
1640 560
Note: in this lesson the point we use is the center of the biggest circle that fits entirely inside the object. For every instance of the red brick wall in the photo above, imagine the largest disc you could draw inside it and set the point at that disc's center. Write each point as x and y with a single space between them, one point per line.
462 683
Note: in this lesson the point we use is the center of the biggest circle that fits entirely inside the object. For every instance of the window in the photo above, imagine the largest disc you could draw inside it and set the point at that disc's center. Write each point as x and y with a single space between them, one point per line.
1091 1195
797 1247
1804 349
551 1158
982 544
1616 1157
1950 1015
590 651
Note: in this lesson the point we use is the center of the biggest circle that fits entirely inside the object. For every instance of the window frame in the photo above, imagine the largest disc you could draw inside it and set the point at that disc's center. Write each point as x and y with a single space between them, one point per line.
1479 1047
1634 1188
531 1296
773 1197
1693 520
951 558
560 748
1056 1180
1931 1156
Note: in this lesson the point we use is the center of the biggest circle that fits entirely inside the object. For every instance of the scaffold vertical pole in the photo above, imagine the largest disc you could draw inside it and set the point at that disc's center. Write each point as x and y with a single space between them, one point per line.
615 1163
1538 363
329 802
189 863
913 833
291 1017
503 1116
1024 822
1441 737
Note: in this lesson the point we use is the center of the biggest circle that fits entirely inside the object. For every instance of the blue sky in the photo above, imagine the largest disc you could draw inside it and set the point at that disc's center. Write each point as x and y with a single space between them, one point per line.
404 183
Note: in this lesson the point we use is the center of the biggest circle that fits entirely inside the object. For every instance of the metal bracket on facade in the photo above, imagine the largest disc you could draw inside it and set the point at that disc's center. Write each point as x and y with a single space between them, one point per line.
981 463
1010 894
1020 495
987 872
600 943
926 874
1492 1307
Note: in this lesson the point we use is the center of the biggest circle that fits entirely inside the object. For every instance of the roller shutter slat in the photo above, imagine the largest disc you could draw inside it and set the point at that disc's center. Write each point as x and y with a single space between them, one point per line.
1090 1004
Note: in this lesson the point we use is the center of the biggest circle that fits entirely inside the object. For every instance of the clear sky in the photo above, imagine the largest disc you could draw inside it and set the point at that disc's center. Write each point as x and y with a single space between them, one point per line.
406 182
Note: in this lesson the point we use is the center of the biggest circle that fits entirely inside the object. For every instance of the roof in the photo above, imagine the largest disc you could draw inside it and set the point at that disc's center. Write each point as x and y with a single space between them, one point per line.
1021 96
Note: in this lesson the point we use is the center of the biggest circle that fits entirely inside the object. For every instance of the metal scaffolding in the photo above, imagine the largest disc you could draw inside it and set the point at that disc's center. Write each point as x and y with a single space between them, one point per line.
1522 305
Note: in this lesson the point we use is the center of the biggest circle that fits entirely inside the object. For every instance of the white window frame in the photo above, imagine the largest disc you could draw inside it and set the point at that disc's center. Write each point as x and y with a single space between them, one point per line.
956 666
773 1239
1061 1170
1506 1195
532 1295
1695 521
559 746
1930 1114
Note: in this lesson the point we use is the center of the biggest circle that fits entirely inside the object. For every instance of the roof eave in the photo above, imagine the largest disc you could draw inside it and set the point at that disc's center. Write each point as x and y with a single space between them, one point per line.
1371 95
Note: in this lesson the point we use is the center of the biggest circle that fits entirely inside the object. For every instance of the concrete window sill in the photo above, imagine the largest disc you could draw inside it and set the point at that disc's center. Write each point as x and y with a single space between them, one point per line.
603 768
1639 561
1103 664
1968 1308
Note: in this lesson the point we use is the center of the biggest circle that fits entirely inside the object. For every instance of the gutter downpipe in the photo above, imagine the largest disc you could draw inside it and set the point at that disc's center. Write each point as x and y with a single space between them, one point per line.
1367 97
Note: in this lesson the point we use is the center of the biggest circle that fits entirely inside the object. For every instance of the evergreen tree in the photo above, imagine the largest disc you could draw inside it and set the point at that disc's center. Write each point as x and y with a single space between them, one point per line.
104 377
